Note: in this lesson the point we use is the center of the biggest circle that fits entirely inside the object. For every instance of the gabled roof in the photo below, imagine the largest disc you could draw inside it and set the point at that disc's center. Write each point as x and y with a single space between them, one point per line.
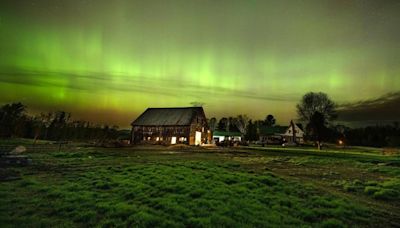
167 116
300 126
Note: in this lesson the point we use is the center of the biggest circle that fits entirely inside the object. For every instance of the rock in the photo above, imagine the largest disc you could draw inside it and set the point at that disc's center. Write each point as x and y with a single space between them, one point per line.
18 150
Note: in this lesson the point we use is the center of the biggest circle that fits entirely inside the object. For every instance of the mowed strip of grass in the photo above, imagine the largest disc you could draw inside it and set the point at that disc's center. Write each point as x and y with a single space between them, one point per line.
128 191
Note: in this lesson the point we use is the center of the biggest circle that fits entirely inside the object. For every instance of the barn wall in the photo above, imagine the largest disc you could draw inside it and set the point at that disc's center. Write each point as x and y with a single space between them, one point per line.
199 123
152 133
164 134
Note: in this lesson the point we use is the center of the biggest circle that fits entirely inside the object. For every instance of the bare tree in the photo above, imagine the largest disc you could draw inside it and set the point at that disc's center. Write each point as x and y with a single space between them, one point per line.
241 123
316 102
47 119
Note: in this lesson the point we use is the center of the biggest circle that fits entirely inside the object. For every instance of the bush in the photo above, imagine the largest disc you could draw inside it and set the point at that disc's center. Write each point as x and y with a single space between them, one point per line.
370 190
332 223
386 194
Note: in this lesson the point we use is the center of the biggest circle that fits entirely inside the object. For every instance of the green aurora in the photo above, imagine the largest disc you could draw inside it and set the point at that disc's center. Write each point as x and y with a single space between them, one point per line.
107 61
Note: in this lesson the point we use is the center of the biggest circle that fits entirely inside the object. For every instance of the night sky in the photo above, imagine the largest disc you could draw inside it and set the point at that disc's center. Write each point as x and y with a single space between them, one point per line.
107 61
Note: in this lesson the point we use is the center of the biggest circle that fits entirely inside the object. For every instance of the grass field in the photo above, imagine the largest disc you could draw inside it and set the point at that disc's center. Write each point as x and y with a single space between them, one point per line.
196 187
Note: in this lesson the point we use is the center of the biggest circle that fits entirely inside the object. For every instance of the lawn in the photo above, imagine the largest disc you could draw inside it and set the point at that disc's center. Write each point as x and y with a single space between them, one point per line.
195 187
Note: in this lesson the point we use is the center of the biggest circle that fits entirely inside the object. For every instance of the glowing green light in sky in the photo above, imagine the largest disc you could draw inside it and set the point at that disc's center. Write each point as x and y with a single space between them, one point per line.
114 59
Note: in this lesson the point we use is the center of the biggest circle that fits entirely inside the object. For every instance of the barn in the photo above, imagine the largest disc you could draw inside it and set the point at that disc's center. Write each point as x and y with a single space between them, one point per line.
186 125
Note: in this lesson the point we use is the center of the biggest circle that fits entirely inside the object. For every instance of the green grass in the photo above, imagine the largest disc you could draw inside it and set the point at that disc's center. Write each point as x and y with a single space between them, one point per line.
199 188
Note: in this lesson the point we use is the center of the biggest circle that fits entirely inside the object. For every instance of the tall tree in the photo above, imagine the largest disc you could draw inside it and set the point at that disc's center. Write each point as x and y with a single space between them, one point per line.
251 133
212 123
316 128
317 109
229 124
11 118
270 120
241 122
222 124
316 102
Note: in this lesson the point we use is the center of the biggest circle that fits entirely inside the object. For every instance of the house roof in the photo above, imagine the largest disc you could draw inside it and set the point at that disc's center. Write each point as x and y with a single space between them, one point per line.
227 133
266 130
167 116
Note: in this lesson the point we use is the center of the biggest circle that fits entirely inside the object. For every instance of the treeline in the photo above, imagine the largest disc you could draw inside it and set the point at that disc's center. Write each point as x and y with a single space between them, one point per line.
59 126
375 136
15 122
242 123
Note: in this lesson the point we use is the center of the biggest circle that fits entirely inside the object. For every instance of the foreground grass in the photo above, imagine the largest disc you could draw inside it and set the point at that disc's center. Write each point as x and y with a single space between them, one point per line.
124 187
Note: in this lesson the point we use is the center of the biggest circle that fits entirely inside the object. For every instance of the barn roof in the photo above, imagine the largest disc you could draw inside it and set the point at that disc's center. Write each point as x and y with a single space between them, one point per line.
167 116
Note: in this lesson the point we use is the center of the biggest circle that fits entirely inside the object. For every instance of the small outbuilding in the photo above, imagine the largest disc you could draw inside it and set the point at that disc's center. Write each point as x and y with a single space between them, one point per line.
220 136
186 125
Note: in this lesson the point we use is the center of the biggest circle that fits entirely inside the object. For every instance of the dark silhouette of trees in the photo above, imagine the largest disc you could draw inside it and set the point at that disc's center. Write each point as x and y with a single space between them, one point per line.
316 102
212 123
375 136
14 122
241 122
227 124
316 128
270 120
12 118
252 131
223 122
317 110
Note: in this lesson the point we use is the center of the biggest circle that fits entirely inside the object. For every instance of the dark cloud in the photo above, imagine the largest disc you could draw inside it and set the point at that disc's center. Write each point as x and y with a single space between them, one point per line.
380 110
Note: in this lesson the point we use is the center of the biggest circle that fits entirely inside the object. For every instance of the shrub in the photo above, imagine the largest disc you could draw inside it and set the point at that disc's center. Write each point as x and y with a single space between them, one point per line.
349 187
386 194
370 190
144 219
332 223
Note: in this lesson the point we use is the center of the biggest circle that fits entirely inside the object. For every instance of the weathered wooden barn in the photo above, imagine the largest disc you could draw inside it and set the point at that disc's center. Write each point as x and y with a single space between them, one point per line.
187 125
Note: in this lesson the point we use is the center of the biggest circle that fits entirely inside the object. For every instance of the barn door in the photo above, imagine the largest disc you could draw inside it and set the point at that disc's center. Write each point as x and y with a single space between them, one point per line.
197 139
173 140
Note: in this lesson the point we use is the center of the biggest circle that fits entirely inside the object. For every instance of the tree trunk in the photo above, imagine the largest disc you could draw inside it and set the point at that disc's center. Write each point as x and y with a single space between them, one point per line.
294 132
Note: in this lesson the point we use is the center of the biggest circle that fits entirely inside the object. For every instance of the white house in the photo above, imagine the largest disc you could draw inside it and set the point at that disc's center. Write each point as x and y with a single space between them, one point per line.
293 134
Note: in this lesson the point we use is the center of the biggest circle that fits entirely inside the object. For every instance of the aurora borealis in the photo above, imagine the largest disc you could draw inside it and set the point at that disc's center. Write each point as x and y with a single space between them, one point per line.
107 61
